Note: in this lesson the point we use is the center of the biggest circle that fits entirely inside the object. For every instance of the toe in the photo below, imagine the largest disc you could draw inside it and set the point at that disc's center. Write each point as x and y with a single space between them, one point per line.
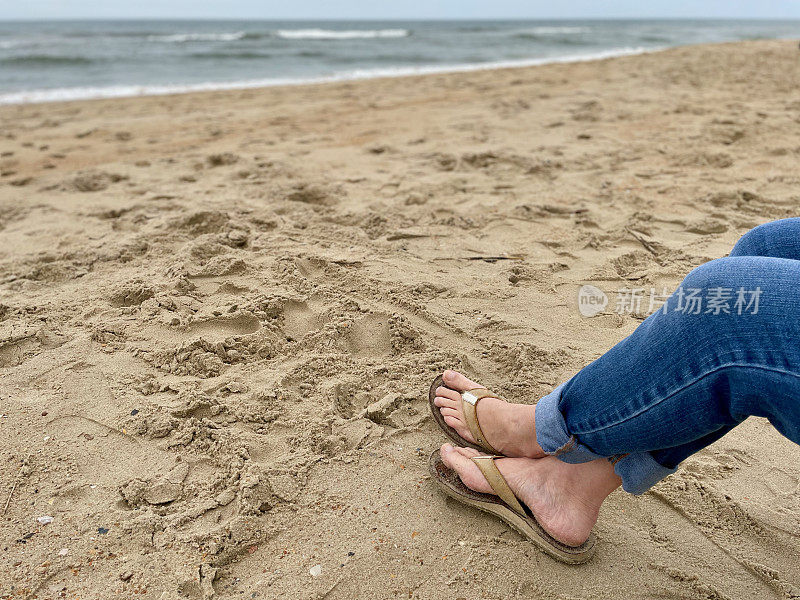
452 422
468 452
466 469
459 382
453 458
444 402
449 412
444 392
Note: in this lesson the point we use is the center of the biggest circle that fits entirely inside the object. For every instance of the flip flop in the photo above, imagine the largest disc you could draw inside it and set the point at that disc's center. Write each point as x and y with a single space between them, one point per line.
469 404
506 506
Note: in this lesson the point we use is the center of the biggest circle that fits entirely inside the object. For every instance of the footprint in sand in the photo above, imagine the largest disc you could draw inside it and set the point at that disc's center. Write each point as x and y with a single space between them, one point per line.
131 294
222 159
94 181
370 336
205 221
223 327
299 319
15 352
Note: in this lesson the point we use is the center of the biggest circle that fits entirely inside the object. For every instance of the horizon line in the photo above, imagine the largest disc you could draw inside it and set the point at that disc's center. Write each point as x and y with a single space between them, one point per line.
385 19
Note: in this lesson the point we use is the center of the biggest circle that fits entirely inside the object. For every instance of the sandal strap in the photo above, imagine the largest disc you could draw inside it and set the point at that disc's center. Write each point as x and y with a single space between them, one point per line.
469 404
498 483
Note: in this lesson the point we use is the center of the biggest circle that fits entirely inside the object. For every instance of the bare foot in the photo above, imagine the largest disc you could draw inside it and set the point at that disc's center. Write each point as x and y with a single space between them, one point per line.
565 498
509 428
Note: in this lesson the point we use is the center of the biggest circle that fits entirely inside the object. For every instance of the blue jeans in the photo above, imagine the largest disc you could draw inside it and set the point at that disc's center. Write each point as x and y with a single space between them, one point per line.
724 346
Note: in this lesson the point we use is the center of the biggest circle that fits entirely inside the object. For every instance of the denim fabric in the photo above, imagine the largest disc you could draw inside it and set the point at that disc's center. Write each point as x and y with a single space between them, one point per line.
684 379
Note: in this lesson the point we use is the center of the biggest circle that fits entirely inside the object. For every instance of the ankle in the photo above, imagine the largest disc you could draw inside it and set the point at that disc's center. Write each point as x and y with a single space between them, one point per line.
519 429
526 429
596 481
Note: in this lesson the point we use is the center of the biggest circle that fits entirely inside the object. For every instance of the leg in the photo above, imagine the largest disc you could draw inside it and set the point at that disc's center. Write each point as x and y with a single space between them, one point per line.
682 380
777 239
508 426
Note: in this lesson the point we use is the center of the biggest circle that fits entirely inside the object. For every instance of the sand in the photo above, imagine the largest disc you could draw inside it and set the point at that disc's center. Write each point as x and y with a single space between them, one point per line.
220 312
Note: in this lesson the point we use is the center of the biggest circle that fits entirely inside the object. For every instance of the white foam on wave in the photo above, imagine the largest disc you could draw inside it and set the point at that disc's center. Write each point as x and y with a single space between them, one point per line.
121 91
179 38
336 34
6 44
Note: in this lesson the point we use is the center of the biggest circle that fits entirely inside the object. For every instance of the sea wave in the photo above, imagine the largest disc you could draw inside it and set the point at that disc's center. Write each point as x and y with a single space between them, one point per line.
231 55
558 35
83 93
661 39
336 34
551 30
475 28
551 40
44 60
180 38
6 44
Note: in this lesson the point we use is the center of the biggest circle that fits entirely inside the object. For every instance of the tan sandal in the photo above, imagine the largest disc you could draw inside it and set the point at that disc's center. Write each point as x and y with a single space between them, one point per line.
506 506
469 404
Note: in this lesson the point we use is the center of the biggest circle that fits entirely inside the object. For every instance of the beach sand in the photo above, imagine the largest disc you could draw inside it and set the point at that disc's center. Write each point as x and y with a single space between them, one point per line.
220 313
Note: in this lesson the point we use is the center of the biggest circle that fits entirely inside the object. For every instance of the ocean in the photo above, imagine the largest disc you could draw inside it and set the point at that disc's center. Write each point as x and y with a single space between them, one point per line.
45 61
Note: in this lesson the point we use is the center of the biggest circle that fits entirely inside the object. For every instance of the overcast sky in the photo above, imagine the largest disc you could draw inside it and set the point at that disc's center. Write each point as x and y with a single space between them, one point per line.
397 9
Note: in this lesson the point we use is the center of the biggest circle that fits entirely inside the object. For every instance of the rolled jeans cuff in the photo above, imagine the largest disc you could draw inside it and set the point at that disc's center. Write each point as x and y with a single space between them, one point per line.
552 434
639 471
